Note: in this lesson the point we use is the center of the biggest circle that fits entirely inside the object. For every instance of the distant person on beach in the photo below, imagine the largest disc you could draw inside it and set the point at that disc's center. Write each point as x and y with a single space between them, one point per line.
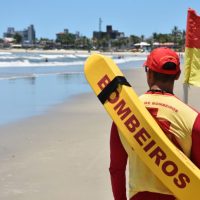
178 121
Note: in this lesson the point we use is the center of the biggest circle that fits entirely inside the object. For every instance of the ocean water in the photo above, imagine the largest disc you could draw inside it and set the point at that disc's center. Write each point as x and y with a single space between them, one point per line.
32 82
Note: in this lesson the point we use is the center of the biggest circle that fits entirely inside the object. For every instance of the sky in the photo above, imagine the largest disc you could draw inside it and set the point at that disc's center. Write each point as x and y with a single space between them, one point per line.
133 17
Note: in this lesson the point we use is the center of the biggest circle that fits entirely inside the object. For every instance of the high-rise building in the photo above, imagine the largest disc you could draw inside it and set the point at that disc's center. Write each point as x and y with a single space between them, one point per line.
112 34
10 32
28 35
109 29
66 31
31 34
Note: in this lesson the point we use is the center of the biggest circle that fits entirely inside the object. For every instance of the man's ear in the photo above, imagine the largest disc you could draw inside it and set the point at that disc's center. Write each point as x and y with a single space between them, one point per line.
150 75
150 78
177 75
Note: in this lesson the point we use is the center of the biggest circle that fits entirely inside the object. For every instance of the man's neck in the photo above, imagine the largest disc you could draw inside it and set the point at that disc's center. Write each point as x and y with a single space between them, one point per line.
163 88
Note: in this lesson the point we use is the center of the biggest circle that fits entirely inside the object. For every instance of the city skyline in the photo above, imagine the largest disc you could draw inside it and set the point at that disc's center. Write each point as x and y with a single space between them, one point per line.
139 17
28 34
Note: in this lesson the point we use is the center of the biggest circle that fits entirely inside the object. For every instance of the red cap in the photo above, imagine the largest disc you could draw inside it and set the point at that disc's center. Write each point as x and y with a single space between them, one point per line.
159 57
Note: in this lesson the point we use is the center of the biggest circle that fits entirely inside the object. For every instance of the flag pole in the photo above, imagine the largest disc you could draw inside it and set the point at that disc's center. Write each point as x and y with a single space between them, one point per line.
185 93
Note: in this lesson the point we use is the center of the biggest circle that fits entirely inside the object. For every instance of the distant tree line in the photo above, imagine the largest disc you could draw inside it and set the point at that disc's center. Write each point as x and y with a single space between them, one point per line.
177 37
69 41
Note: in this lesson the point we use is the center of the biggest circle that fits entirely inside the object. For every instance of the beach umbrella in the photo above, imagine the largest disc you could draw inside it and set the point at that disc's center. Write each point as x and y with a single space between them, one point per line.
156 43
142 44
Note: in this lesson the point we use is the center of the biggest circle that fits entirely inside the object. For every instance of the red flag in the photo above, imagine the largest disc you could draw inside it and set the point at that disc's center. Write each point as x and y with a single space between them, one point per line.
192 50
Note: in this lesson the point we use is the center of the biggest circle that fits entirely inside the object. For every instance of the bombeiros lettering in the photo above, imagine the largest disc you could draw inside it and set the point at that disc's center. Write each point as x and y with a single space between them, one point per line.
143 138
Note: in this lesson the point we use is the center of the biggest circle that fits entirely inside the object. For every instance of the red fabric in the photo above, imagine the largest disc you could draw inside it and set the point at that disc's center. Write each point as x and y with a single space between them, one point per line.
165 126
152 196
118 161
195 153
193 30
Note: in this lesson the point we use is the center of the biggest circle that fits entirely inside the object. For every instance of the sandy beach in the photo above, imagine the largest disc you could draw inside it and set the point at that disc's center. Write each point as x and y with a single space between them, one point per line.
64 153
